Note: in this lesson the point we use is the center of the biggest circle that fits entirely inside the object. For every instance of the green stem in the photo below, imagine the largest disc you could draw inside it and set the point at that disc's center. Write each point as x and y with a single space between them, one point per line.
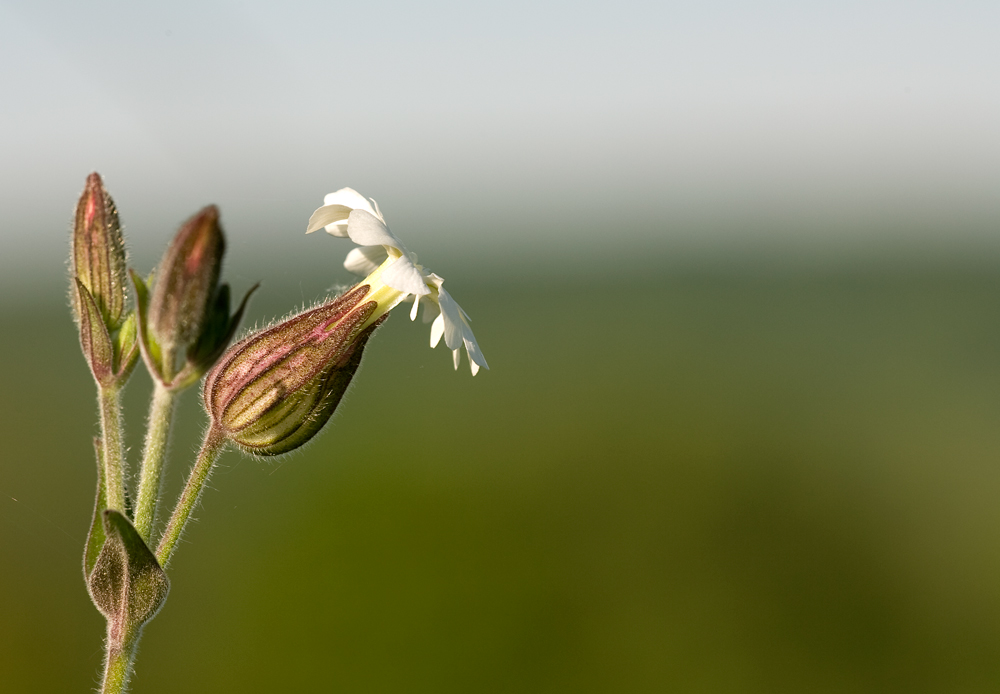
161 411
214 442
109 400
118 660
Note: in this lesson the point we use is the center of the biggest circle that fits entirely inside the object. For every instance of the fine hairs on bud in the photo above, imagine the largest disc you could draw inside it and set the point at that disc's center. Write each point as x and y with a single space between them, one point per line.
274 390
97 287
187 279
97 257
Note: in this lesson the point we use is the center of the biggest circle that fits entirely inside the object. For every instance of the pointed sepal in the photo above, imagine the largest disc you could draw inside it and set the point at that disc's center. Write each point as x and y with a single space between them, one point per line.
94 339
213 331
148 346
96 536
126 346
126 583
216 336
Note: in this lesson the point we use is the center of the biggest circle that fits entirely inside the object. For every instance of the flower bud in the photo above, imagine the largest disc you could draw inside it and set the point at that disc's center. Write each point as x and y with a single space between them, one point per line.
187 281
98 253
97 289
276 389
187 308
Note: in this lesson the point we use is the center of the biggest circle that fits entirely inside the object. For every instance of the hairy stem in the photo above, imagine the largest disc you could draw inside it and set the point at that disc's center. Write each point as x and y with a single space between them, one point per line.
214 442
109 400
161 411
118 660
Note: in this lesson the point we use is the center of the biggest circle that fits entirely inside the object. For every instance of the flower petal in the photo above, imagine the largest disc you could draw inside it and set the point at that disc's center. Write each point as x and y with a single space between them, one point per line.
452 319
404 276
365 229
348 197
365 260
431 310
476 357
332 217
453 324
457 357
437 330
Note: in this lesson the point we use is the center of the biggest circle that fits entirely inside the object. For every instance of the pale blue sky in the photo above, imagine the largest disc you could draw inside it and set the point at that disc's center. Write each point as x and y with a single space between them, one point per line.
491 127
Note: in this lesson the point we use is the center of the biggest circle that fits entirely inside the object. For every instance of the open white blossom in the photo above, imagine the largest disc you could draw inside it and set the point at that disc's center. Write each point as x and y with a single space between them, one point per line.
393 272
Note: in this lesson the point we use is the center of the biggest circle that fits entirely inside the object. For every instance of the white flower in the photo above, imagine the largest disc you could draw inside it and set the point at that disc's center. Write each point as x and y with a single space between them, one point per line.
393 272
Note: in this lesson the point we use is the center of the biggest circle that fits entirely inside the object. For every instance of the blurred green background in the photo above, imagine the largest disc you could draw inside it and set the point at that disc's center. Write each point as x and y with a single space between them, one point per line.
712 479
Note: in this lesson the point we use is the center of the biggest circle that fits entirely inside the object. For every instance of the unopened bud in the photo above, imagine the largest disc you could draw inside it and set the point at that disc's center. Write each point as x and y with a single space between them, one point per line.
187 280
187 311
97 289
273 391
99 253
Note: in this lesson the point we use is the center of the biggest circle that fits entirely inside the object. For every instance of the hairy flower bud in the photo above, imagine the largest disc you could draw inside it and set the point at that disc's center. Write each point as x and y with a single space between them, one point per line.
97 288
187 280
273 391
186 313
98 254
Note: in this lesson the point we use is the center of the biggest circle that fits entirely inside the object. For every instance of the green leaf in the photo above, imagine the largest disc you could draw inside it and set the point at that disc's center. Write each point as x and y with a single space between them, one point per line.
127 584
96 536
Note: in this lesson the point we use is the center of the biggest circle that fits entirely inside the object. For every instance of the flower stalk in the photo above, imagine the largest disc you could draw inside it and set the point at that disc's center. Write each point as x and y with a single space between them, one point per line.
121 651
161 412
211 448
113 453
